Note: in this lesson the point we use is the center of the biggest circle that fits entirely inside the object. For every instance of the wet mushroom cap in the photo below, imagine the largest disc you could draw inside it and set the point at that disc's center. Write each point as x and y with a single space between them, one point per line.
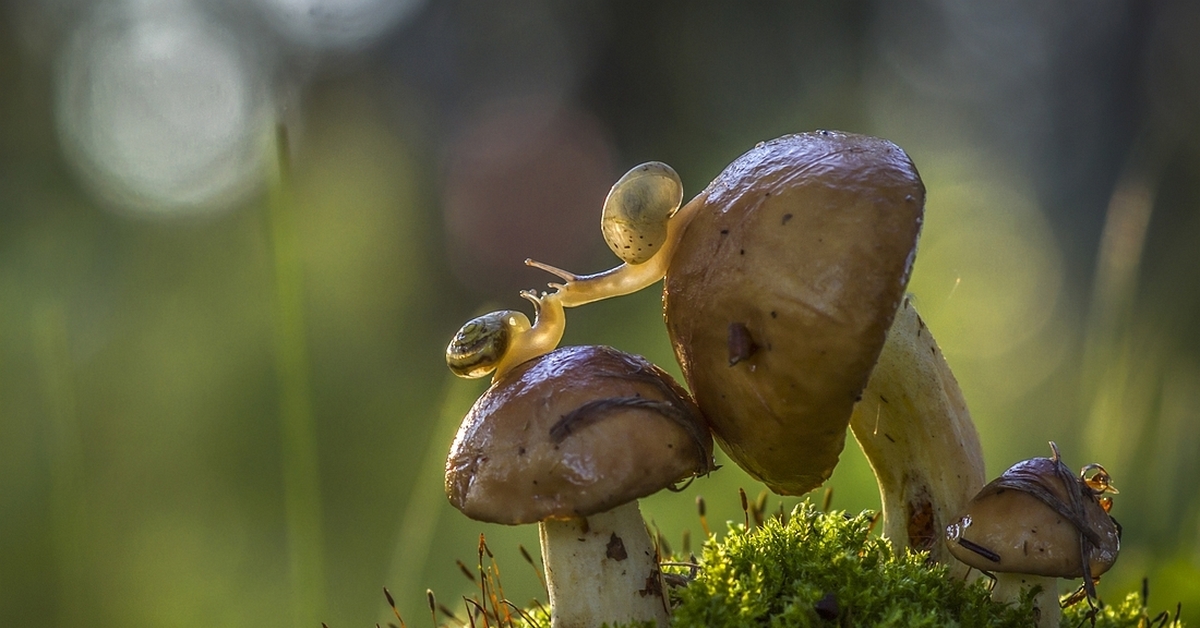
1012 531
780 295
575 432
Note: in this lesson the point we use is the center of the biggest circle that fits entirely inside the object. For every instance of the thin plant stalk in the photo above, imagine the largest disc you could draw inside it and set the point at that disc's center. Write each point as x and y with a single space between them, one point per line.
64 452
427 498
301 477
1109 368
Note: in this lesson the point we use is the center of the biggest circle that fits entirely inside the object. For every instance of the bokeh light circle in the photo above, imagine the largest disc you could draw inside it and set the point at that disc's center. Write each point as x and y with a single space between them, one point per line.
336 24
989 270
162 114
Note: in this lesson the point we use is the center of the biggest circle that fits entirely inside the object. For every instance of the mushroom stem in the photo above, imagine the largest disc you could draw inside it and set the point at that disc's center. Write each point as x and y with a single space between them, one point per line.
1010 587
914 427
602 569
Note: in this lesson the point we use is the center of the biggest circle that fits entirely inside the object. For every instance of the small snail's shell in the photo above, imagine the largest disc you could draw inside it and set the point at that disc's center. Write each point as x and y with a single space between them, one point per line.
637 208
481 342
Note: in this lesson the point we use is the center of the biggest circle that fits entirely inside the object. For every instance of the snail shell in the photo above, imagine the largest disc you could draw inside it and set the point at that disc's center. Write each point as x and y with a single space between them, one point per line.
635 215
482 342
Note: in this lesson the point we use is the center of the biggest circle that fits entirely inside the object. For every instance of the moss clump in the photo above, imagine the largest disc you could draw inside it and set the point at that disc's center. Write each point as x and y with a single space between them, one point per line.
827 569
1130 613
817 569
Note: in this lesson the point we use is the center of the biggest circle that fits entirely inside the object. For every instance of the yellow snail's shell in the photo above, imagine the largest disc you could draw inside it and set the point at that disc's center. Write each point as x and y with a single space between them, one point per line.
481 343
637 208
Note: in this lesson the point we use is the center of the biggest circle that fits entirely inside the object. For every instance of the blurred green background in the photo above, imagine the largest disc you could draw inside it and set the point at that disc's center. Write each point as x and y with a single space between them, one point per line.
223 400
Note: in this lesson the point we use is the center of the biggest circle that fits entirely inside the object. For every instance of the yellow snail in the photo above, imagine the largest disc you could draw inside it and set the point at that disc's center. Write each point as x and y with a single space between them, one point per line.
642 223
501 340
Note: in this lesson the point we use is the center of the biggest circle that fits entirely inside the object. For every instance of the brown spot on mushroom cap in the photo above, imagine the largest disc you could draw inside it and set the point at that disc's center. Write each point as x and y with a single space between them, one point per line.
597 428
821 292
1028 535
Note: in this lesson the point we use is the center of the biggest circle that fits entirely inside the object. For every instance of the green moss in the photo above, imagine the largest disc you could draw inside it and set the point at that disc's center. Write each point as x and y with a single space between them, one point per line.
1130 613
819 569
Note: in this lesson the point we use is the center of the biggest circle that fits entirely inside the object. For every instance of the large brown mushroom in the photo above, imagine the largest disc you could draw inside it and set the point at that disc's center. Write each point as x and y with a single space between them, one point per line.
1036 523
570 440
780 295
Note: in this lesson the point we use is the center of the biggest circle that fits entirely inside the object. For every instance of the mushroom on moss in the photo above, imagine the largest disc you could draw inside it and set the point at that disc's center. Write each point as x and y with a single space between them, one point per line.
570 440
780 295
1036 523
781 302
782 280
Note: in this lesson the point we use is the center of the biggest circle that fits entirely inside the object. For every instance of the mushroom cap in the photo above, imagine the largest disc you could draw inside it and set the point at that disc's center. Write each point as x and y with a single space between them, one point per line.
780 295
1025 533
578 431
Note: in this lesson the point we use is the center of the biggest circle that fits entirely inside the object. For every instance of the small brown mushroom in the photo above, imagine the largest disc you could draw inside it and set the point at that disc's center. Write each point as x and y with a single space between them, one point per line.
571 440
1036 523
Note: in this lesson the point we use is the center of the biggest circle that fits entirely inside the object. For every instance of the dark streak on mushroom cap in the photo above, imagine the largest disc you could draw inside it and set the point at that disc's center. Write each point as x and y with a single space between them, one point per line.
575 432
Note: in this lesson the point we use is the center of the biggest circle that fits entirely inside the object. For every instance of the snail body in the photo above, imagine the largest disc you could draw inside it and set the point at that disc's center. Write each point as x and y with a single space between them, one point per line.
638 225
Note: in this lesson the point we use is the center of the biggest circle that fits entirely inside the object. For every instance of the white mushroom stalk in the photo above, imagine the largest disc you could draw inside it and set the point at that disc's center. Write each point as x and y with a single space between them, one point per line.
914 427
1011 588
602 566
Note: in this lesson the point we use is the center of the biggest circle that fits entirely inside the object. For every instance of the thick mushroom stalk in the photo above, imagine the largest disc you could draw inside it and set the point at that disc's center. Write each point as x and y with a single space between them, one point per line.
1010 588
914 427
1037 523
603 566
571 440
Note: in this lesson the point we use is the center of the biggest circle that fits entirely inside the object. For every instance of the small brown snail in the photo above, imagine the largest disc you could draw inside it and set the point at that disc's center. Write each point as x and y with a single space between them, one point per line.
498 341
1037 523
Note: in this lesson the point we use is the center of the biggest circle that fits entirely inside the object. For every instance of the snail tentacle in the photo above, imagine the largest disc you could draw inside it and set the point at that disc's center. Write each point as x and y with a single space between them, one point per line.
553 270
